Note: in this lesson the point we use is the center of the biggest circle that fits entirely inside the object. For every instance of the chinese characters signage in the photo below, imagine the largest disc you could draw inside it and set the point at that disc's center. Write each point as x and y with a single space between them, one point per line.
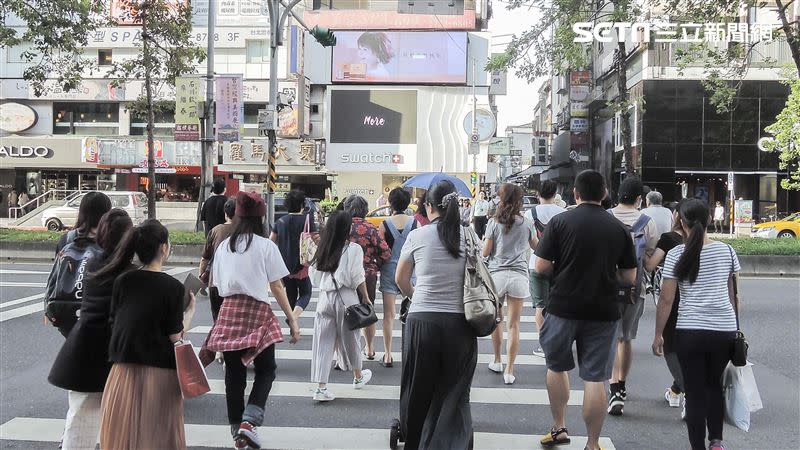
256 152
229 108
579 90
187 94
133 153
675 32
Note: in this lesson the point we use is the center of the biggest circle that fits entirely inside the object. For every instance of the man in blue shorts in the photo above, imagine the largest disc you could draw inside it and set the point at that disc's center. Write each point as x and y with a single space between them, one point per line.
588 254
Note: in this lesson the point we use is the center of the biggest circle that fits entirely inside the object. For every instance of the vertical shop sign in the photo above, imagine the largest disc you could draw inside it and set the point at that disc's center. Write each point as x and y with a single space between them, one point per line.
187 94
230 107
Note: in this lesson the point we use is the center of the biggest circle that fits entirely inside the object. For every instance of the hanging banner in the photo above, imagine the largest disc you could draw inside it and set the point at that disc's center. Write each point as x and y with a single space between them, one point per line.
187 94
230 107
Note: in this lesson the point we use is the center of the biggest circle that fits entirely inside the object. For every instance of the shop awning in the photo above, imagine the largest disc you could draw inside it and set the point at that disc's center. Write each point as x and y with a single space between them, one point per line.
523 175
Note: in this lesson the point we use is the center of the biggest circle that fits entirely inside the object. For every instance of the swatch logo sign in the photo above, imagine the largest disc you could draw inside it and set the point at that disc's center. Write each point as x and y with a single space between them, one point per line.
385 158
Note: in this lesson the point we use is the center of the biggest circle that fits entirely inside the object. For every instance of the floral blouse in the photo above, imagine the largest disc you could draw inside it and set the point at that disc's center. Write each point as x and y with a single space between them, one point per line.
376 250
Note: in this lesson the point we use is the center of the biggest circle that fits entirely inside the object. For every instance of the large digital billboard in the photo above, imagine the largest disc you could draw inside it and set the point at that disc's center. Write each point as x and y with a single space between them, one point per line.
373 116
400 57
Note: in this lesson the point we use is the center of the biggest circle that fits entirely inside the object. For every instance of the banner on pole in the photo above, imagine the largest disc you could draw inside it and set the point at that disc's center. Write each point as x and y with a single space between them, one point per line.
187 94
229 108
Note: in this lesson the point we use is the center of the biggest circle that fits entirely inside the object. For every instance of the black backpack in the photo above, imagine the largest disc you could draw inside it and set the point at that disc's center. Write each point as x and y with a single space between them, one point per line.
64 291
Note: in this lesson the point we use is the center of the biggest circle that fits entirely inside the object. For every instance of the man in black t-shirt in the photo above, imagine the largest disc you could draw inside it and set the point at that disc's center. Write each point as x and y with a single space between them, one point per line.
213 211
589 254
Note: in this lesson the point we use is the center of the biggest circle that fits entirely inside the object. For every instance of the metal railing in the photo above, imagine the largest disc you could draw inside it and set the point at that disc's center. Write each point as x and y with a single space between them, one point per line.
53 194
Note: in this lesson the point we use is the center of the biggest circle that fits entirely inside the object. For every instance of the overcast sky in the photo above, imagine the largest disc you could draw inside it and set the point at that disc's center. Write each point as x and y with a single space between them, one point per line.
516 107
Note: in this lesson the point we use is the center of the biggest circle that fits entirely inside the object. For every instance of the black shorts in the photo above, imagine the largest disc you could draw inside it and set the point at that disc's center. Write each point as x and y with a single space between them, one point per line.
596 345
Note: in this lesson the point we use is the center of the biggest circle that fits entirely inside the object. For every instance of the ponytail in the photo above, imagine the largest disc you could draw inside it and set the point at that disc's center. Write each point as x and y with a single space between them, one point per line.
143 241
694 216
443 197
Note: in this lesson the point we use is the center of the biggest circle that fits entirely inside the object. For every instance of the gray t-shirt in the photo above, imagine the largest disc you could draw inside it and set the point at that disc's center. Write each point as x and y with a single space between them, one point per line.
440 277
512 247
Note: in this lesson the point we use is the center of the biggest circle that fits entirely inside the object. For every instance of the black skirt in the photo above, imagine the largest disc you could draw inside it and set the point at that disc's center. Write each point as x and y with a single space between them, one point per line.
440 351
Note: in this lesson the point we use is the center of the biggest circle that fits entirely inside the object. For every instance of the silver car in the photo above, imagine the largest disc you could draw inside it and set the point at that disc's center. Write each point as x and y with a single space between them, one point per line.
57 218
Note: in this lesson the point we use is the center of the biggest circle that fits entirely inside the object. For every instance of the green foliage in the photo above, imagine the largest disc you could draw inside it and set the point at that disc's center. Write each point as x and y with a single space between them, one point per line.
13 235
786 131
761 246
328 207
57 31
167 29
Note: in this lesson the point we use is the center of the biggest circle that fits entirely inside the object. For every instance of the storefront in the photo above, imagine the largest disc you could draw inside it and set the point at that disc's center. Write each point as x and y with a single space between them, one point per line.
378 138
298 166
177 165
36 165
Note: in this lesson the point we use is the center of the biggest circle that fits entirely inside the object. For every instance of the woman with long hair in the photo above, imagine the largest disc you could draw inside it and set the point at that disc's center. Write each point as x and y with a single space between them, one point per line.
440 349
395 230
508 241
81 365
93 205
142 405
376 254
421 214
247 267
705 273
338 270
669 240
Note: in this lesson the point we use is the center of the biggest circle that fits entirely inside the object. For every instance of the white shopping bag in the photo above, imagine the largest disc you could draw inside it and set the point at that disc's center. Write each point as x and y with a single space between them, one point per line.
741 395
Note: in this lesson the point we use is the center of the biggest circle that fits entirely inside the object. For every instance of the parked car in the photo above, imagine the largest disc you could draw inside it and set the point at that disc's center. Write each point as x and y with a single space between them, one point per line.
377 216
784 228
312 205
57 218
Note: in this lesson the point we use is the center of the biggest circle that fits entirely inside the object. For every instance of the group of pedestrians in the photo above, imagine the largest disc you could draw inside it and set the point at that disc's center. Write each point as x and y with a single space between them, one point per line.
584 269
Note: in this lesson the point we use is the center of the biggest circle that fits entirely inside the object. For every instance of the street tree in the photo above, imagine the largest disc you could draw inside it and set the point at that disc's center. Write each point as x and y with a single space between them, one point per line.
165 52
548 48
55 33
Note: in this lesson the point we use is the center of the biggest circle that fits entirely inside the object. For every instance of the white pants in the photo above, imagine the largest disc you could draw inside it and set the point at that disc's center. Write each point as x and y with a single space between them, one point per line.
331 335
82 427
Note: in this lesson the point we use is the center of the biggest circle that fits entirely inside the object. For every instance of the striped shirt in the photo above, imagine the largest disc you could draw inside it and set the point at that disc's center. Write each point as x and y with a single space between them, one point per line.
705 304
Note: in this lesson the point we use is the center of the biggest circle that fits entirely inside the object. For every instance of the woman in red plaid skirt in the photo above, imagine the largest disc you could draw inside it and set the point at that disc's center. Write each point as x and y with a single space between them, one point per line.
247 267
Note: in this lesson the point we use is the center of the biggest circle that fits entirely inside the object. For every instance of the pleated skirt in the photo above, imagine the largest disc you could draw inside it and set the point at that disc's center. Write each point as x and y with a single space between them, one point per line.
142 408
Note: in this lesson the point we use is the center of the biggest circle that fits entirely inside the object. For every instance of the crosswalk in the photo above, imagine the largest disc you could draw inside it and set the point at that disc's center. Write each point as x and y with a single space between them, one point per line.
340 423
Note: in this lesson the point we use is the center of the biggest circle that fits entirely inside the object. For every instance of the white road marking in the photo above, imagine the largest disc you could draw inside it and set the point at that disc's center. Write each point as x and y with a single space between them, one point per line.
21 300
524 336
21 284
218 436
19 312
22 272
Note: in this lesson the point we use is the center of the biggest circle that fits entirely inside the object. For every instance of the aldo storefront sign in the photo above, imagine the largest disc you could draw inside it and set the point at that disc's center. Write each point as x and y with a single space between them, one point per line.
25 151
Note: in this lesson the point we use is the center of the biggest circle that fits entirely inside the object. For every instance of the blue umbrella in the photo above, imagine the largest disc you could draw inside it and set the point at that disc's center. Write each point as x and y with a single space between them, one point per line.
428 179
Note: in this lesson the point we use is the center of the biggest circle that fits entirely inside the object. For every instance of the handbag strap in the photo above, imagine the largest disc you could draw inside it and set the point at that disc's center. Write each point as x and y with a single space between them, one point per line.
307 226
735 289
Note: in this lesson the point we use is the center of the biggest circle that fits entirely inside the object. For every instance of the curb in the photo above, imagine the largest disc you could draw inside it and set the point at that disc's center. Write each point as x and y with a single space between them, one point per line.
752 265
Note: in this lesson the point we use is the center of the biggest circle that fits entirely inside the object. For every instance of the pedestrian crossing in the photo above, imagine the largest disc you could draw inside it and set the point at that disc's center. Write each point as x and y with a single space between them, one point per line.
217 436
338 425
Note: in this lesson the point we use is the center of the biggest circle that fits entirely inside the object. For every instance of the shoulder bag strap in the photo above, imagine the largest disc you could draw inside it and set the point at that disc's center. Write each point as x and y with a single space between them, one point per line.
307 226
735 299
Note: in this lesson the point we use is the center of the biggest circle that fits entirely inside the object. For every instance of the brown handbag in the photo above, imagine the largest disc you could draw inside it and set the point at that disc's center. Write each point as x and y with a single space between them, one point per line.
191 374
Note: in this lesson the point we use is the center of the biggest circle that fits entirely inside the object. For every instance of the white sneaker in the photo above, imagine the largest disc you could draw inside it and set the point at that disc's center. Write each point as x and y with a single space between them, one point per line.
539 352
366 375
672 398
323 395
509 378
496 367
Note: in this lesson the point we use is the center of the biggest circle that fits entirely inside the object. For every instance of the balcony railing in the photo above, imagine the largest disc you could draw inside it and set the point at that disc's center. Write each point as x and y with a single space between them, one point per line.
765 54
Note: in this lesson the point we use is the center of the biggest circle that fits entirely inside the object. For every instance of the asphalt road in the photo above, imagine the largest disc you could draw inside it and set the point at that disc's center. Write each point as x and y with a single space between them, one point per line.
32 411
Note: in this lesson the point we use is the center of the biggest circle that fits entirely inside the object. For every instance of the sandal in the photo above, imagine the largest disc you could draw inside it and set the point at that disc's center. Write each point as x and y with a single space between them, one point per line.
369 357
386 364
550 439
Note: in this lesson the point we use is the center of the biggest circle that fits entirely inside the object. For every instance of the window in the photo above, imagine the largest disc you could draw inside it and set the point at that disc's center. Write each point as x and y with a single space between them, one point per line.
86 118
120 201
164 123
104 57
15 53
257 51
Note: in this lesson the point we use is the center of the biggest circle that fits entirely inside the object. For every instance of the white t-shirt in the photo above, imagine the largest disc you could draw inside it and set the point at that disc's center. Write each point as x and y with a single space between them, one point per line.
719 213
544 213
247 272
661 216
705 304
481 208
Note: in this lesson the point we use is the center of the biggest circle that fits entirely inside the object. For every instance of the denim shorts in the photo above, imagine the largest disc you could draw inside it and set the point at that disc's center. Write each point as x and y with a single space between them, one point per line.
596 343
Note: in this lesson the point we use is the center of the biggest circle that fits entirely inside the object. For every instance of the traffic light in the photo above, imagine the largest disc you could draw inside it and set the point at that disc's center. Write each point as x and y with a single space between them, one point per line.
473 178
324 36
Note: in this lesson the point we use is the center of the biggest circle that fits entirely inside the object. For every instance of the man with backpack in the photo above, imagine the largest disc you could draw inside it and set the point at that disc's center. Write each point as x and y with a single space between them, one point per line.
540 215
645 237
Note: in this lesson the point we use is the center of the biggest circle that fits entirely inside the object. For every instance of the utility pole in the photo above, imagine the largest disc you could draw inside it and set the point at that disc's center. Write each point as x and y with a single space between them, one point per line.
207 152
475 183
277 19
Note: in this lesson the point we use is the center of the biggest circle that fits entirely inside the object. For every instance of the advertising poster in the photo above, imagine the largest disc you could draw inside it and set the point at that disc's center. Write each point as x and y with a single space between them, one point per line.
400 57
744 211
229 108
374 117
187 94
